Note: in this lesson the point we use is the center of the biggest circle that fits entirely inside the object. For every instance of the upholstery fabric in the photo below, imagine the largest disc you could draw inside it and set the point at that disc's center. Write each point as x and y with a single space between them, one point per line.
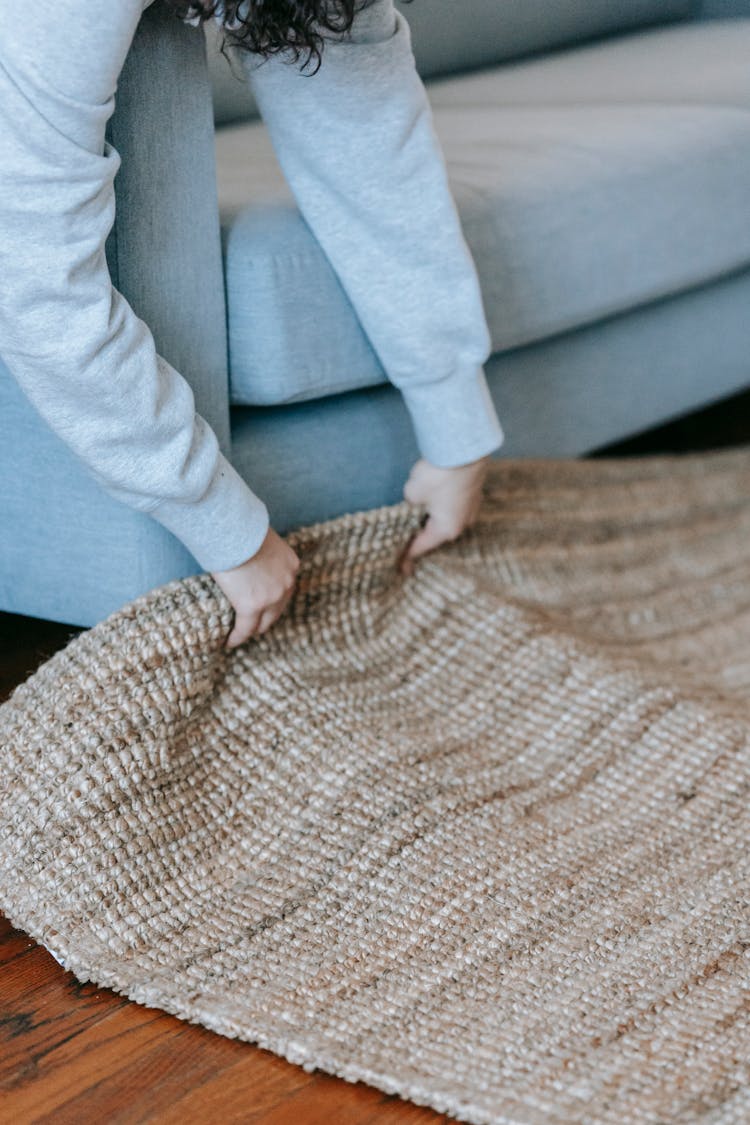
586 185
685 64
565 395
68 551
477 33
562 397
470 34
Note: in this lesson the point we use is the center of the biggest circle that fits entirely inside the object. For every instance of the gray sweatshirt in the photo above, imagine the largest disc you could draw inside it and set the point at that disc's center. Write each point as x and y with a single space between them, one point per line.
357 145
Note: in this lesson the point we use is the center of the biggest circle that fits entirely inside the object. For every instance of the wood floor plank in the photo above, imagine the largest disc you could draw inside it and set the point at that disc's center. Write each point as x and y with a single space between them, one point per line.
71 1052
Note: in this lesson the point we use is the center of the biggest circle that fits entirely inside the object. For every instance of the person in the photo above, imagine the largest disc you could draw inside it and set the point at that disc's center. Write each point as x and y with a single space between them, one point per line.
356 142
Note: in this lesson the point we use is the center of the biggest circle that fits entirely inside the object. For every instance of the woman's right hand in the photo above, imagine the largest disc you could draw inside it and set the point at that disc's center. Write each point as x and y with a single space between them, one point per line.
259 588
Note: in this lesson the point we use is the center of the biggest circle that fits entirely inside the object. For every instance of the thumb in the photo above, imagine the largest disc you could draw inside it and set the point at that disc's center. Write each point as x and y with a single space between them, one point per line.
428 537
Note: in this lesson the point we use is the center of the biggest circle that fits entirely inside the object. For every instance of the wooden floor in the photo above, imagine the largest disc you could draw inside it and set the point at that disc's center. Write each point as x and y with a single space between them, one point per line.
74 1053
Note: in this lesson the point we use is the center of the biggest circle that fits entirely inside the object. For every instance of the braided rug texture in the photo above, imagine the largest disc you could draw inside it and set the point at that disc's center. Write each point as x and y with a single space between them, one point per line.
477 836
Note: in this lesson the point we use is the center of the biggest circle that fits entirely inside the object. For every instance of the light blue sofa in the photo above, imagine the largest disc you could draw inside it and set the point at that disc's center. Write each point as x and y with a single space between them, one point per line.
599 155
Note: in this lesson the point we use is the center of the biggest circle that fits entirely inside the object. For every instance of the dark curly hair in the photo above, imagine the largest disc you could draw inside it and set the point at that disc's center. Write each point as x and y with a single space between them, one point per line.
267 27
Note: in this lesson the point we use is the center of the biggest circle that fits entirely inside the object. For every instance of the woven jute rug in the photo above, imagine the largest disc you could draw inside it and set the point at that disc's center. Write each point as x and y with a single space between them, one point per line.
477 836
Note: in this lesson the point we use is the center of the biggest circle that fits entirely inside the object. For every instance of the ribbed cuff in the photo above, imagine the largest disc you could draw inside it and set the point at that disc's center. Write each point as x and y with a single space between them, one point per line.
225 527
454 420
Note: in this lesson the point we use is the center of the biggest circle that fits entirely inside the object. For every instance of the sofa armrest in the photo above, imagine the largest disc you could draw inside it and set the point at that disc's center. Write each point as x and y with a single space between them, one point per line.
723 9
164 250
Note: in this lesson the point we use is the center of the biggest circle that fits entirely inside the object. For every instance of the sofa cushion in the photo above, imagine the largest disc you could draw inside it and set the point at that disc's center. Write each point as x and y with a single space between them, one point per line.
685 64
581 196
448 37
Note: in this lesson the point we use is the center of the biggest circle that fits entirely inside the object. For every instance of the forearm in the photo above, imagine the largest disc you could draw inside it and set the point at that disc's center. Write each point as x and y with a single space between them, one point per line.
357 145
84 359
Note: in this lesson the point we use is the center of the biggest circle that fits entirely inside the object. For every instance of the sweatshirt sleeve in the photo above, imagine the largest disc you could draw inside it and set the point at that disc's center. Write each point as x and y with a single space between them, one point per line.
357 145
75 346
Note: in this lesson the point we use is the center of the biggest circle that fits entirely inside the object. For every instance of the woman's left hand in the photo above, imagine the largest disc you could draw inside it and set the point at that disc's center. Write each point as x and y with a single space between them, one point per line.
453 497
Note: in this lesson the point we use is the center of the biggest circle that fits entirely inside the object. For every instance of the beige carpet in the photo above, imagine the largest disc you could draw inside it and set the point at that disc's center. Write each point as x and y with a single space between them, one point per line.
478 837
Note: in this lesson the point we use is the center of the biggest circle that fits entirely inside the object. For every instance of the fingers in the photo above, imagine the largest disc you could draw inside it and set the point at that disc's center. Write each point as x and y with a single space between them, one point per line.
268 617
244 626
247 625
432 535
453 497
